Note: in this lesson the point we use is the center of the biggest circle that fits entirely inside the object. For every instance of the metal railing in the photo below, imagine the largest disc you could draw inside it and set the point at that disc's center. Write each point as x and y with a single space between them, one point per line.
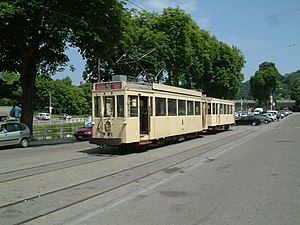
53 133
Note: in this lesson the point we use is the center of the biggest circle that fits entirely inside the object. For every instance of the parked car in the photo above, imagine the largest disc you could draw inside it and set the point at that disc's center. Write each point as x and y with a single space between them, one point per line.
14 133
248 120
84 133
43 116
275 114
263 118
269 115
283 113
65 116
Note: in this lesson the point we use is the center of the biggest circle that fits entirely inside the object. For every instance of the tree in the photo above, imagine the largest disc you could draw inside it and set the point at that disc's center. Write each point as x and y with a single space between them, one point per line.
295 93
65 97
264 83
34 36
140 51
224 75
87 90
244 91
11 93
286 84
172 41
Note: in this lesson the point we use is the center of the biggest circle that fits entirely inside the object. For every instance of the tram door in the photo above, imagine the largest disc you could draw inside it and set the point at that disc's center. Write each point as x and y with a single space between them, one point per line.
144 115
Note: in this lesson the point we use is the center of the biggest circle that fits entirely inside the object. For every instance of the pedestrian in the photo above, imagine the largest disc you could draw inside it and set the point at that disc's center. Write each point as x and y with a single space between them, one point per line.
278 116
3 129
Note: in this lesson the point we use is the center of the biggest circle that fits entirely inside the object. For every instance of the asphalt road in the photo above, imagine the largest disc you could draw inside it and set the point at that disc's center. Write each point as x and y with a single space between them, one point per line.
248 175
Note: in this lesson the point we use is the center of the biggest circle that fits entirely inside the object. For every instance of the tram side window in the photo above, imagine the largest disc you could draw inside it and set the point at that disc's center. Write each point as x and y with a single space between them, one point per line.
151 106
197 108
172 107
190 108
160 106
97 106
221 108
181 107
133 106
208 108
120 106
109 106
214 110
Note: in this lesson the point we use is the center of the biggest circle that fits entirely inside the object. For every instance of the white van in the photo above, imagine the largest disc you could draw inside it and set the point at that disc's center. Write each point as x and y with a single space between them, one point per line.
258 111
43 116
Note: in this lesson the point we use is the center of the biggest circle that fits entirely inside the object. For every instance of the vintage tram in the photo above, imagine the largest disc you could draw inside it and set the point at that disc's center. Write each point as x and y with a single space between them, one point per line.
219 114
143 113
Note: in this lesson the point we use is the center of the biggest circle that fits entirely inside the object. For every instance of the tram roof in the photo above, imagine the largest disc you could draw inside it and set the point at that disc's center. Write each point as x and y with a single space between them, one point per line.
217 99
162 88
135 86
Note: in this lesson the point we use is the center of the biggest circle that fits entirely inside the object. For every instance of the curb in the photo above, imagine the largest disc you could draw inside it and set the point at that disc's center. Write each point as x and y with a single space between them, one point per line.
57 141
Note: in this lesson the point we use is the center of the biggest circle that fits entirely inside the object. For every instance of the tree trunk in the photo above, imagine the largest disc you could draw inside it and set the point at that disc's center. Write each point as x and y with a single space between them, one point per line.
28 80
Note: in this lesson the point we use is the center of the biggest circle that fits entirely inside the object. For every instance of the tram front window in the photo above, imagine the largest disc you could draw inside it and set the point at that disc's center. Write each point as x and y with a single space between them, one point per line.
120 106
109 106
97 106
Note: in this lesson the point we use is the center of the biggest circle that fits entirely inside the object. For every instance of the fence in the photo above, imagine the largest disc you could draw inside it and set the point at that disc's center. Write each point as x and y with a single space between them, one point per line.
53 133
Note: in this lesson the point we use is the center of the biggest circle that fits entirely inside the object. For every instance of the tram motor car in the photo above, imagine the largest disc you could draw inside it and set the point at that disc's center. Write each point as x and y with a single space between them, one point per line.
126 113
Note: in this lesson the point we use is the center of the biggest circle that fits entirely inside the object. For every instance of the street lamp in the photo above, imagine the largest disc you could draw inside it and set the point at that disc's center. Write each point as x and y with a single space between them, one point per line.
50 102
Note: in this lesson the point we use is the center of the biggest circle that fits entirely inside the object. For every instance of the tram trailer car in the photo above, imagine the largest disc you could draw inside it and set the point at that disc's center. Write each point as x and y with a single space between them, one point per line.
219 114
140 113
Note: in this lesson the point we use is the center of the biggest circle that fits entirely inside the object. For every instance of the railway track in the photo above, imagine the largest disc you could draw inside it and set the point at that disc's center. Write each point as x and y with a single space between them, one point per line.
50 167
30 209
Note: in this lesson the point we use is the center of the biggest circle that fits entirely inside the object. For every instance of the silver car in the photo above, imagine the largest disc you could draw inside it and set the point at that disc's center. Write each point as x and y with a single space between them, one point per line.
14 133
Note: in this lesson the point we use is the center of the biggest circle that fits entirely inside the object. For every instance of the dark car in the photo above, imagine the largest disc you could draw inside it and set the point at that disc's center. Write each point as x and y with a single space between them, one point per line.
264 119
248 120
65 116
84 133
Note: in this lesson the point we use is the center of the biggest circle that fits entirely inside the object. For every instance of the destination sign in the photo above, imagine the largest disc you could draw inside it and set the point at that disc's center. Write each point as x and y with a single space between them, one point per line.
108 86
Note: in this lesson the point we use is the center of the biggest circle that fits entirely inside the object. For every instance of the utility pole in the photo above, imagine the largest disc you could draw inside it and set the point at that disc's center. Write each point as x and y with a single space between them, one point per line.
50 102
99 68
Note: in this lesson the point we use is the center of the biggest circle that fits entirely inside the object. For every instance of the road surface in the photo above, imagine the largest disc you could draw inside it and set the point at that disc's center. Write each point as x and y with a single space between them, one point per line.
247 175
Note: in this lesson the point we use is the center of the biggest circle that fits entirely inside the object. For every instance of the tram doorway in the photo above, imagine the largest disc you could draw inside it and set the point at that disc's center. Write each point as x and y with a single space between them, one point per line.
144 115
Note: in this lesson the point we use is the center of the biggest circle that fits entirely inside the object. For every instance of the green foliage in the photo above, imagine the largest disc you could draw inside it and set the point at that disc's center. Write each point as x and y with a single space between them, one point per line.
65 97
286 84
264 83
224 77
34 36
132 53
244 91
11 92
173 43
295 92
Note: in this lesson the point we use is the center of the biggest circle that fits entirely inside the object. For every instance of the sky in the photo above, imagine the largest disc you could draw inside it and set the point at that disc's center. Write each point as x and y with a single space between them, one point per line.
264 30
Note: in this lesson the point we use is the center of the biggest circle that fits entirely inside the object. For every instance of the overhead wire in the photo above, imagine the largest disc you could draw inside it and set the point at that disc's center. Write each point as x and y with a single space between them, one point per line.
274 49
257 20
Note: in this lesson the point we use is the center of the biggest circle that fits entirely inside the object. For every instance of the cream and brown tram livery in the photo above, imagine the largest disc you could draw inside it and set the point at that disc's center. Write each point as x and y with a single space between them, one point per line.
219 113
139 113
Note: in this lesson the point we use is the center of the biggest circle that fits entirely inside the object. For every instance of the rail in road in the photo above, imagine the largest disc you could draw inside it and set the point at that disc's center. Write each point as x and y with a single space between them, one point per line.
31 208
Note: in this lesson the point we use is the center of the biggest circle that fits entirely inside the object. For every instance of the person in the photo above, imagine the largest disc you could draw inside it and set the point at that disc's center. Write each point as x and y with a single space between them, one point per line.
3 129
15 112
